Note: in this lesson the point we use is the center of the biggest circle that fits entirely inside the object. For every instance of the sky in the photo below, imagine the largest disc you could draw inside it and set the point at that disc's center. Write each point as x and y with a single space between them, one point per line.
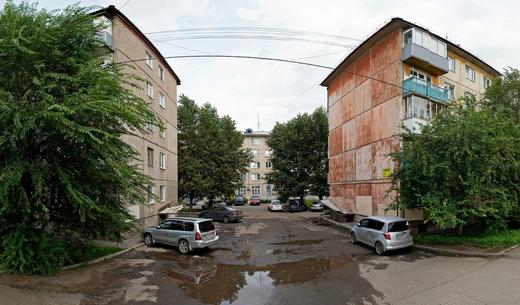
257 94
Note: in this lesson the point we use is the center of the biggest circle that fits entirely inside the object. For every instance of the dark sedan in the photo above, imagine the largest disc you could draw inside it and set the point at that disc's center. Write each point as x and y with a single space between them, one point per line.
296 206
222 213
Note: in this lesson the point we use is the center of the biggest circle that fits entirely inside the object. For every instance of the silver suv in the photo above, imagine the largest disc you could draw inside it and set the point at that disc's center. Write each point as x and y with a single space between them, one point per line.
186 233
383 233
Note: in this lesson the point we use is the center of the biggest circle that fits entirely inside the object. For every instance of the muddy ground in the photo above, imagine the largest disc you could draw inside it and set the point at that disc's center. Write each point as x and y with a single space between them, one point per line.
274 258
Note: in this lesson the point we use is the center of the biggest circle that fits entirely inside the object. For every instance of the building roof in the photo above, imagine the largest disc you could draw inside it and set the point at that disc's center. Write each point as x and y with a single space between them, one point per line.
392 25
111 11
256 133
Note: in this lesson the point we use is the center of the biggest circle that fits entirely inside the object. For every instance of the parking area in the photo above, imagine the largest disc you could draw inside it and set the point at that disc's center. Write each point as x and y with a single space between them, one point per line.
274 258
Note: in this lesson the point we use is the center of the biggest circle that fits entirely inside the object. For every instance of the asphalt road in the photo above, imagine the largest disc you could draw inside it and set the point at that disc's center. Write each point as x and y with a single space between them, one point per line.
275 258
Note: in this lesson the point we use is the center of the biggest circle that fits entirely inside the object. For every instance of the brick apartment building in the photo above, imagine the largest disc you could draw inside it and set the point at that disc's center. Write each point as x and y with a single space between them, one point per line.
403 73
255 180
158 149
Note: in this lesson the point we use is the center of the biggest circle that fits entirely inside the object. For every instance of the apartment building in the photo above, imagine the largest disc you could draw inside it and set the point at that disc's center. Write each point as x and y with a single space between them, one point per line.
255 180
124 42
403 73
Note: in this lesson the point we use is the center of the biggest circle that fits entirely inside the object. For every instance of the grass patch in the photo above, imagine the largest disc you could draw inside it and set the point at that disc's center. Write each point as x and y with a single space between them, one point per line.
482 240
88 252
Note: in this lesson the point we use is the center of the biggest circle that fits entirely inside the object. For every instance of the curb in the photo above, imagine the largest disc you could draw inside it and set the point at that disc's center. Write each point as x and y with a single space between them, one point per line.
434 249
103 258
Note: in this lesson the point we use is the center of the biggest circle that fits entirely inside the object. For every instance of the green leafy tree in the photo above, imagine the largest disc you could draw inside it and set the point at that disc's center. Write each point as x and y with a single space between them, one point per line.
64 170
211 156
299 157
464 166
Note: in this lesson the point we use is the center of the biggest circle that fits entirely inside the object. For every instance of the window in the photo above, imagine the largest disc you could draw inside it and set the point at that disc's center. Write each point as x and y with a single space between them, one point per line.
470 73
451 64
162 133
268 153
162 193
255 165
426 41
242 176
149 60
255 141
177 225
161 73
418 107
242 192
255 190
151 194
254 153
420 75
150 127
363 223
255 177
162 161
268 190
189 226
149 89
450 89
269 164
407 37
150 156
469 95
375 224
206 226
267 177
486 82
166 225
398 226
162 100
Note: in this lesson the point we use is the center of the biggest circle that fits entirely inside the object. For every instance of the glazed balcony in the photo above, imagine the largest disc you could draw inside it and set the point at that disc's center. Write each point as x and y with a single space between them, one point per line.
423 88
424 51
108 41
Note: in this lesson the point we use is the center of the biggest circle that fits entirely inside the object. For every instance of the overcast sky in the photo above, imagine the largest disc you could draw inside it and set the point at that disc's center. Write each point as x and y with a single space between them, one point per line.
275 91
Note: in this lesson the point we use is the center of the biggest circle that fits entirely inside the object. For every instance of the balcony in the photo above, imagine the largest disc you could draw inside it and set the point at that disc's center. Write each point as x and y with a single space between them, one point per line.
414 124
107 40
425 51
421 87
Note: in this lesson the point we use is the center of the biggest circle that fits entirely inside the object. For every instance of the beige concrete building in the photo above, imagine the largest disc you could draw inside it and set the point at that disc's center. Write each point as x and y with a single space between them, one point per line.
126 43
255 181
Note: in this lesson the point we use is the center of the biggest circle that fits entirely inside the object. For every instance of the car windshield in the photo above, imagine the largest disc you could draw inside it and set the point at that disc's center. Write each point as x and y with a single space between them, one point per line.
206 226
229 209
275 202
398 226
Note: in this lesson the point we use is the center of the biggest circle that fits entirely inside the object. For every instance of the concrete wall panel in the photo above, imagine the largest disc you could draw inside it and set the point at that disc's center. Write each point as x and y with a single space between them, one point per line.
349 165
364 205
363 97
385 119
362 68
384 90
364 163
364 129
335 142
348 80
381 157
385 52
336 169
349 135
347 106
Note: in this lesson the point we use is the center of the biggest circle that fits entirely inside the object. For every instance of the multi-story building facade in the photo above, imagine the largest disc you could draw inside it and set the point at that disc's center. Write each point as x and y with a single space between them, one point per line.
125 43
255 180
403 73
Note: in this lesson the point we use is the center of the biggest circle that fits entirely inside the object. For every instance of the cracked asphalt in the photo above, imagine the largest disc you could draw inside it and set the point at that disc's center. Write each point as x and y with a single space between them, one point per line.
275 258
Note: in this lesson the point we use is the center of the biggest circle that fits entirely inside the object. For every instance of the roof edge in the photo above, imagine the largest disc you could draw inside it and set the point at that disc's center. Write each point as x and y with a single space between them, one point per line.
112 11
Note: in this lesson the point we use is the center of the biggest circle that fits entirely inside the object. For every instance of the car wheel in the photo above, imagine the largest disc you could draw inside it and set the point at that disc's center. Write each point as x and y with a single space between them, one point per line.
184 246
353 237
226 219
148 239
380 250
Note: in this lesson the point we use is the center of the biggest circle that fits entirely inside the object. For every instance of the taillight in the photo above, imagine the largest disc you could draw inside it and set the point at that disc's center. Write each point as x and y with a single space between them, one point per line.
198 236
387 235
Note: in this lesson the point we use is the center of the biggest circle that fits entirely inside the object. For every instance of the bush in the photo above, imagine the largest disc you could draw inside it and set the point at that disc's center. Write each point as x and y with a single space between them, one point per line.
31 252
79 252
265 201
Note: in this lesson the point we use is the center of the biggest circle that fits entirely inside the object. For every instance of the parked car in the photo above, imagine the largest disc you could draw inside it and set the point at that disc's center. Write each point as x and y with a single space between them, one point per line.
295 205
255 200
316 206
222 213
275 205
239 200
383 233
186 233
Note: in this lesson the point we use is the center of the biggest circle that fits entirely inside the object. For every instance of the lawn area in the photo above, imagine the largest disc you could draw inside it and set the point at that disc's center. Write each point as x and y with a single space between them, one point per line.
483 240
90 252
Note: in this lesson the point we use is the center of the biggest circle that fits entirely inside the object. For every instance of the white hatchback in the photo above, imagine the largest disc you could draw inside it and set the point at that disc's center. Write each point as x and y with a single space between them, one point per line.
383 233
275 205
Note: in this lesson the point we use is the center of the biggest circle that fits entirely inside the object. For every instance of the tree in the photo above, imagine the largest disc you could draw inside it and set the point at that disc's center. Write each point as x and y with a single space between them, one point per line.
299 156
65 172
211 156
463 167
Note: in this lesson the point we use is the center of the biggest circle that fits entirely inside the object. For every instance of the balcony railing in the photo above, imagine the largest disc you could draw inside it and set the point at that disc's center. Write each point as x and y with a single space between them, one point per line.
107 39
421 87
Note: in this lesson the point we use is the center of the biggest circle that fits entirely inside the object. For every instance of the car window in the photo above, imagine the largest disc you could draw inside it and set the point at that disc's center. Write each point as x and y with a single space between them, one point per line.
206 226
398 226
229 209
363 223
375 224
165 224
189 226
177 225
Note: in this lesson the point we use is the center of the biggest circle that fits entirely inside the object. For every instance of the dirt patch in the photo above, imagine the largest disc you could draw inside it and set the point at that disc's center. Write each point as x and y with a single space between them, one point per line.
299 242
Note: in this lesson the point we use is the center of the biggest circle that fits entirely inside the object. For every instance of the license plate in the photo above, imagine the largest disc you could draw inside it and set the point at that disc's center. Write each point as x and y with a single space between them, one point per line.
400 235
209 236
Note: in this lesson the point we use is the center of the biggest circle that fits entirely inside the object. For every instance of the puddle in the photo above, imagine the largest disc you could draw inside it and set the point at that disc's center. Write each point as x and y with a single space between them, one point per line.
246 284
299 242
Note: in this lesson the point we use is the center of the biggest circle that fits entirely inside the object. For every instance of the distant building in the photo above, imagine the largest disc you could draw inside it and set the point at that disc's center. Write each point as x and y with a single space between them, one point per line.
403 73
124 42
255 180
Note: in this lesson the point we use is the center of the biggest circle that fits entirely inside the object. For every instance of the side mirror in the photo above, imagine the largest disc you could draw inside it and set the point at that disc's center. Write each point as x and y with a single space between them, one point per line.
158 227
359 224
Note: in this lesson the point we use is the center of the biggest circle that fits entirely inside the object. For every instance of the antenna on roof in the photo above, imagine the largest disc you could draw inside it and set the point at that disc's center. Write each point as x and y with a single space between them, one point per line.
258 121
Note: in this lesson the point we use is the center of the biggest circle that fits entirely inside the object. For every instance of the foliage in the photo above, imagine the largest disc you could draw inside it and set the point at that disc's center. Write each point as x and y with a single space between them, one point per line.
78 252
503 96
506 238
211 156
299 156
64 168
463 167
